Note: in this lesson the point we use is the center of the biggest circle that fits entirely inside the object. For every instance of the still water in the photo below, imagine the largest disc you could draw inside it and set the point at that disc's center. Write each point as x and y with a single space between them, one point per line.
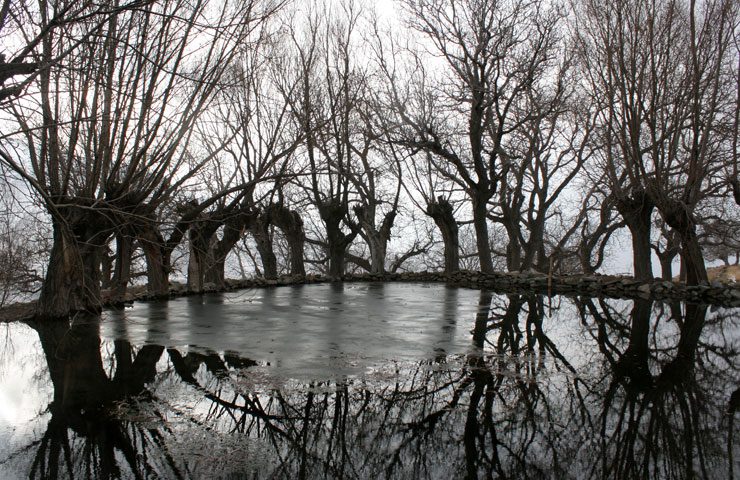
374 381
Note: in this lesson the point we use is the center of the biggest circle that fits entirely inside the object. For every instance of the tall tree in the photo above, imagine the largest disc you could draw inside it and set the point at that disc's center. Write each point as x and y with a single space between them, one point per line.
547 152
249 128
373 174
490 54
658 72
107 137
331 84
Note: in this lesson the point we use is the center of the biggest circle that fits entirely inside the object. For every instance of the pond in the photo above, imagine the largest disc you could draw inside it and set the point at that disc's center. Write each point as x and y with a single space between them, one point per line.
370 380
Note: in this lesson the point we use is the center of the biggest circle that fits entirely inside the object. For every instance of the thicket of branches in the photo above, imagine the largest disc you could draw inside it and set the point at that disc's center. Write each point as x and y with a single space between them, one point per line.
325 136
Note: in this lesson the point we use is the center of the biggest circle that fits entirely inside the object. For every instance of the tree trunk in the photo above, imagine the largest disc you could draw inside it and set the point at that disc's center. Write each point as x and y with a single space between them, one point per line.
261 232
296 246
534 248
337 246
202 243
235 223
735 184
441 213
682 269
666 266
157 262
378 251
336 261
219 250
289 221
195 268
122 272
332 213
215 272
106 268
678 217
377 238
696 271
480 222
637 214
513 256
672 248
73 276
641 252
513 248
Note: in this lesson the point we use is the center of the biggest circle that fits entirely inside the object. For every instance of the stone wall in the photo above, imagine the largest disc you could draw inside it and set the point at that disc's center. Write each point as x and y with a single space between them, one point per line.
510 282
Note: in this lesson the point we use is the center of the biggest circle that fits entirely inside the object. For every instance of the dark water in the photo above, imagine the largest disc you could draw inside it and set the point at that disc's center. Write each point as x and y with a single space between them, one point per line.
374 381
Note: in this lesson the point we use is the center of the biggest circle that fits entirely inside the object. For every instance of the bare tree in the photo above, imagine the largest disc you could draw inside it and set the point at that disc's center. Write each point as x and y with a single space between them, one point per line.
491 54
548 152
330 90
371 174
667 247
430 192
108 134
658 75
250 129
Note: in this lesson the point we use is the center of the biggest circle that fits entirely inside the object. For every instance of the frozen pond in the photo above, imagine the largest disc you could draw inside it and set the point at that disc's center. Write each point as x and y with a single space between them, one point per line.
309 332
374 381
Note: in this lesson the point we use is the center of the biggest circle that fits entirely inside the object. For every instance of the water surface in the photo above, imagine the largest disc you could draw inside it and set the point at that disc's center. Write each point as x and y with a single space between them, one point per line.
374 381
309 331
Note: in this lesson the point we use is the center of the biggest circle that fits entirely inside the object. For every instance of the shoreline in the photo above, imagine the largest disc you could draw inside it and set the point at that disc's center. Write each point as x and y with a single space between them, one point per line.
609 286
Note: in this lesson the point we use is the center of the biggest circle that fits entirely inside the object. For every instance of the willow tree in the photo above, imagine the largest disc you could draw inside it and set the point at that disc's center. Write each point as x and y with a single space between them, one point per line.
107 127
661 82
404 82
249 129
490 55
548 151
376 176
329 89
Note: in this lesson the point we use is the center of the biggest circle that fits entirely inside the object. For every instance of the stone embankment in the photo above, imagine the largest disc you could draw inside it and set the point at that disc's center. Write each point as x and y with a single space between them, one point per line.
717 293
591 285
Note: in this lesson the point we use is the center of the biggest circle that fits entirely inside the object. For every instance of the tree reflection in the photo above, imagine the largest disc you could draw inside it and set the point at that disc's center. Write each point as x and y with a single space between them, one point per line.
83 438
663 404
643 393
510 428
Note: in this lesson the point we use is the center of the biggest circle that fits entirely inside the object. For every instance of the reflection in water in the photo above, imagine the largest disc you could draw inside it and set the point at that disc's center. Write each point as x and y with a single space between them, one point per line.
590 388
81 427
662 408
